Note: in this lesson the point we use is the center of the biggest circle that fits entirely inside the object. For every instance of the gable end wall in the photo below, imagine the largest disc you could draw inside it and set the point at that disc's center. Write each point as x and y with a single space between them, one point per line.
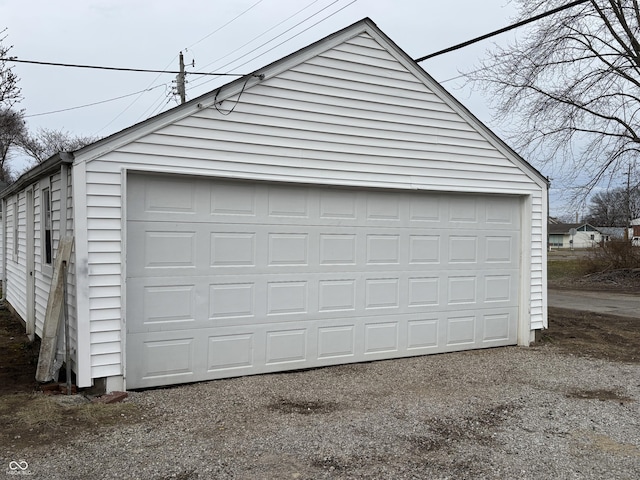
352 116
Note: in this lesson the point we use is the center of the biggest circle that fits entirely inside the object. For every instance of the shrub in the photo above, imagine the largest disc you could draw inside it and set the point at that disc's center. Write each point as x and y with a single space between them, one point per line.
613 255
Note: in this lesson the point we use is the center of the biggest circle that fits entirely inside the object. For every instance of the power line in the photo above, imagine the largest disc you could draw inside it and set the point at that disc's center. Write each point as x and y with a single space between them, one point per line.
118 69
139 97
300 33
267 42
426 57
230 21
261 35
284 41
93 104
502 30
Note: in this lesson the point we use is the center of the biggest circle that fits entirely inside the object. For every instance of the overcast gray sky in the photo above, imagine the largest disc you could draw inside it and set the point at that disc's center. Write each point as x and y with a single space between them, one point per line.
236 36
149 34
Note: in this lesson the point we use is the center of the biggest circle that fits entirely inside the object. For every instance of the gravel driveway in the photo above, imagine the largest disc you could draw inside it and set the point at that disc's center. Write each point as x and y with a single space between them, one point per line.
526 413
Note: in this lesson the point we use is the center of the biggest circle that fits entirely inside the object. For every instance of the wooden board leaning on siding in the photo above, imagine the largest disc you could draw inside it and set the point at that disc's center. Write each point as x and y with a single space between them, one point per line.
47 356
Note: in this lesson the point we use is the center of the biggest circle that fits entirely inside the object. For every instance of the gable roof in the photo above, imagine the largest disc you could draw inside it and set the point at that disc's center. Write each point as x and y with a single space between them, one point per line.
563 228
239 85
612 231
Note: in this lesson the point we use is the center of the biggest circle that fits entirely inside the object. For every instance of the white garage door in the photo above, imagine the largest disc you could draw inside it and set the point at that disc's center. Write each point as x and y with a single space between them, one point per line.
229 278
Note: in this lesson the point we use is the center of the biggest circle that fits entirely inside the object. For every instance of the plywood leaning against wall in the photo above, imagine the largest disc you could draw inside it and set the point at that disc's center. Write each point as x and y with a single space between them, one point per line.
55 306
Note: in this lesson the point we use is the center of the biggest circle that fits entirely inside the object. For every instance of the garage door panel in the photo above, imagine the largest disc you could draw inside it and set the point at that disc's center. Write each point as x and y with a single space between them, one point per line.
233 249
155 249
157 197
461 330
426 209
461 290
382 207
381 338
496 327
500 249
501 214
227 300
463 249
424 292
289 202
462 209
237 200
423 335
424 250
338 205
232 300
227 352
499 288
257 277
163 358
336 341
286 346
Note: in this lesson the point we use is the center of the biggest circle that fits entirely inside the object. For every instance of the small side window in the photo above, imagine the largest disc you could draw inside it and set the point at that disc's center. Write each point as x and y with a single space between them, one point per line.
46 222
15 229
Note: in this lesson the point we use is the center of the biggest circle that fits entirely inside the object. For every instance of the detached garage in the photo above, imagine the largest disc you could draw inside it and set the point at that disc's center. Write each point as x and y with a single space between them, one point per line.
335 206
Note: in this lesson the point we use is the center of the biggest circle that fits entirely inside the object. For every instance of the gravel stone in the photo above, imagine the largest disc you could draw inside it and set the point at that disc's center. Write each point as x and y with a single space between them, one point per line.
526 413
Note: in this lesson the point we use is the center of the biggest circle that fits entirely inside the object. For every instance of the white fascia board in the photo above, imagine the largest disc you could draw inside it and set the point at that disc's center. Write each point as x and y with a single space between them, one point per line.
409 184
83 312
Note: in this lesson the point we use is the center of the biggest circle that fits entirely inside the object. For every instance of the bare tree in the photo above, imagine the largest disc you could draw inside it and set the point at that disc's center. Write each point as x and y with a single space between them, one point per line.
12 127
10 93
12 130
47 142
568 92
612 208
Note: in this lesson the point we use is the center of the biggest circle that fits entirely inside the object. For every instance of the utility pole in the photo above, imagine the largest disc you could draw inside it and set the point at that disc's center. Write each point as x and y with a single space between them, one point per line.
180 81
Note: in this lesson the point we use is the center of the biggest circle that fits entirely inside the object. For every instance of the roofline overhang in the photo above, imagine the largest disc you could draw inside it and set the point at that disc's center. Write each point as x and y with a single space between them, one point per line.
41 170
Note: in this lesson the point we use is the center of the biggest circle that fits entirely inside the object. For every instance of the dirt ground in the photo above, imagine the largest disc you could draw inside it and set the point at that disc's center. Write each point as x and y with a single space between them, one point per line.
18 356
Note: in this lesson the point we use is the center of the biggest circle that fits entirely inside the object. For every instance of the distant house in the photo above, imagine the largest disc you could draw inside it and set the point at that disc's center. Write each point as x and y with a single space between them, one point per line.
634 232
585 236
611 233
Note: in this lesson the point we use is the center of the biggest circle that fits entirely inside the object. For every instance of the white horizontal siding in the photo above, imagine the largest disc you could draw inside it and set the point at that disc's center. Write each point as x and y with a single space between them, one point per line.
43 272
104 348
16 287
106 337
106 314
238 165
352 115
100 370
17 271
104 300
538 272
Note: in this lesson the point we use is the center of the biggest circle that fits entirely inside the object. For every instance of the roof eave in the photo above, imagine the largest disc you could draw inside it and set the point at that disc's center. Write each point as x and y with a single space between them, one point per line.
41 170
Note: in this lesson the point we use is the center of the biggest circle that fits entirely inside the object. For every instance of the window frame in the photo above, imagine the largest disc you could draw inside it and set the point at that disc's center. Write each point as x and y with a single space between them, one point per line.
16 228
47 253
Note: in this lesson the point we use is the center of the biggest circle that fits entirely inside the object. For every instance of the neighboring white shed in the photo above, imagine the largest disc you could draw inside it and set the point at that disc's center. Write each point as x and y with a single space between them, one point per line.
573 235
335 206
